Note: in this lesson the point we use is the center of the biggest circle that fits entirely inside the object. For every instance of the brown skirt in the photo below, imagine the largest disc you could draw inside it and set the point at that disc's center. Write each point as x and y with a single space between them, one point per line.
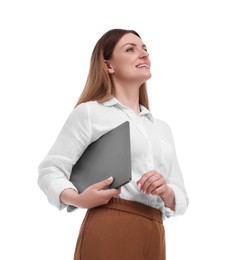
121 230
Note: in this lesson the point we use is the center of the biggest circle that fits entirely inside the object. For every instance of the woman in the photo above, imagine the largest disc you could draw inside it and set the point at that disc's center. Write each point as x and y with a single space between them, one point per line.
123 223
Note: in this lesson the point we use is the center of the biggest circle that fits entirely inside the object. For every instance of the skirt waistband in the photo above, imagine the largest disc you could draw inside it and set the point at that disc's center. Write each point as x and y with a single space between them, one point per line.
134 208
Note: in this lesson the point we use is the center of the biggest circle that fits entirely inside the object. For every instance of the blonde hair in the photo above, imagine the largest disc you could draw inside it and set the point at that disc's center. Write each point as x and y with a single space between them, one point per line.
99 85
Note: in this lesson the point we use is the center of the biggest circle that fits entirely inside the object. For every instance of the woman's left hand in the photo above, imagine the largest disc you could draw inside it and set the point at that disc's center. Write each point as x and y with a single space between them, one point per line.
154 183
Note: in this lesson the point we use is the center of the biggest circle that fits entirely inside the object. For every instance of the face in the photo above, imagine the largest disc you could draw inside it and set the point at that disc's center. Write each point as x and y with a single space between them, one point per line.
129 61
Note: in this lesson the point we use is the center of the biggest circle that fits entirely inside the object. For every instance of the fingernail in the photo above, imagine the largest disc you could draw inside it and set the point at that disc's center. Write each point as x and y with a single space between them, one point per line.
139 186
110 178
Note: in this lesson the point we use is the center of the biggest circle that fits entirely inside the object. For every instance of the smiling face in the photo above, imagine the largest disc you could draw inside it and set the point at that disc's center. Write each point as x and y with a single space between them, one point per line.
129 63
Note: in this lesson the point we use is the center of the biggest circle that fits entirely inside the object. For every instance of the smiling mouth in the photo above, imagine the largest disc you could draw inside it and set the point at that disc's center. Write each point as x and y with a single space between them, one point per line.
143 65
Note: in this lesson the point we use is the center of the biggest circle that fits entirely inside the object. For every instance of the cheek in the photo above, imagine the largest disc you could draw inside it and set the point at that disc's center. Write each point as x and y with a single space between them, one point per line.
123 64
124 69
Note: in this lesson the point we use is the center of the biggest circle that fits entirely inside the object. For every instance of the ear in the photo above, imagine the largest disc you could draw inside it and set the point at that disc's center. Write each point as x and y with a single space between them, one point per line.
109 67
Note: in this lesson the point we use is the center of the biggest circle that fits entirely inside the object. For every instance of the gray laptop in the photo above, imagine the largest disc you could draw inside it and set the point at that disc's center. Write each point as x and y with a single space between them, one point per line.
110 155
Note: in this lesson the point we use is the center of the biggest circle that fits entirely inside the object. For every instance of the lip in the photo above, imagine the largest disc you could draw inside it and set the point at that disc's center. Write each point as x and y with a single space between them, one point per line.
143 65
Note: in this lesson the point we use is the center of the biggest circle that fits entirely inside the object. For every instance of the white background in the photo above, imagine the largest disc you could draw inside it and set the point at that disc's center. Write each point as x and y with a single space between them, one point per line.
45 49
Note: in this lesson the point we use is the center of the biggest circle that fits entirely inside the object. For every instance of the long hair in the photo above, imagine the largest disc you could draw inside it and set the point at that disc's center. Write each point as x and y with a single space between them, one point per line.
99 85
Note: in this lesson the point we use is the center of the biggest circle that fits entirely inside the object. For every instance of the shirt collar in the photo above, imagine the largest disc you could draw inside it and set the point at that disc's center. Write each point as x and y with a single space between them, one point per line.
114 101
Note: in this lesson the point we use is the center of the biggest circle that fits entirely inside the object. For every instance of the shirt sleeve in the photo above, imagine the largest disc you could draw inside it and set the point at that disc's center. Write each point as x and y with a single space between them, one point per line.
176 182
54 171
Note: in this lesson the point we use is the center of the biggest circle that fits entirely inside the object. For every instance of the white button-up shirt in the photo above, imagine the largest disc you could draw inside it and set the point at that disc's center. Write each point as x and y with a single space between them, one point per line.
152 148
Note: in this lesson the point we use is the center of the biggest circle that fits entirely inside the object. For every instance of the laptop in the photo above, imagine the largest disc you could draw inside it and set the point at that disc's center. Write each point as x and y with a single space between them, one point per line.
110 155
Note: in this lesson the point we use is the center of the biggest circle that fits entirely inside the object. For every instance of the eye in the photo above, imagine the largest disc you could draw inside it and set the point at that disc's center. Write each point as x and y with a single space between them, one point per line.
145 48
131 49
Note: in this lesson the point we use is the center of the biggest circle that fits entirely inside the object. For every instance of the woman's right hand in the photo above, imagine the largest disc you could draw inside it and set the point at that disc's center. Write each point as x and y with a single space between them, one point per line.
95 195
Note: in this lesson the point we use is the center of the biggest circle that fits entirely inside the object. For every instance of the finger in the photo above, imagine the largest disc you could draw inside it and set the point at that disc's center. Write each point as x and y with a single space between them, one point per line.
154 186
150 181
144 177
159 191
111 192
103 184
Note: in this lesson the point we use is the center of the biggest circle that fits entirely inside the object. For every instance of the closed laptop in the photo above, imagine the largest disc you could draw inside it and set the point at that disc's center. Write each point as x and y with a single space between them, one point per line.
110 155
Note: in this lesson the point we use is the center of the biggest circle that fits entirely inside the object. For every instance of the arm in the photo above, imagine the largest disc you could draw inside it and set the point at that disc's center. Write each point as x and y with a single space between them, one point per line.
55 169
154 183
171 187
93 196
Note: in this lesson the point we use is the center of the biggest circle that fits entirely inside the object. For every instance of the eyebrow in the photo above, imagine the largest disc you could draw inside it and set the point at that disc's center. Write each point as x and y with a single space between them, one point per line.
133 44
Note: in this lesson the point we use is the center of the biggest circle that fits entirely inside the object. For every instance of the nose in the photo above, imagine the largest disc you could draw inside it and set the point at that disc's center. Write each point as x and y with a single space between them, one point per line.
143 54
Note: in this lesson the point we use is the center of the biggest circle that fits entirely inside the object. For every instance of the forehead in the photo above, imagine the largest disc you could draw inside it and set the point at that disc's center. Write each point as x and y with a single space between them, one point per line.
129 38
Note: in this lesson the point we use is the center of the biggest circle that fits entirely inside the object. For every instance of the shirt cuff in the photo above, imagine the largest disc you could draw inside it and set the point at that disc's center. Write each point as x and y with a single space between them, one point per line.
169 212
55 189
181 202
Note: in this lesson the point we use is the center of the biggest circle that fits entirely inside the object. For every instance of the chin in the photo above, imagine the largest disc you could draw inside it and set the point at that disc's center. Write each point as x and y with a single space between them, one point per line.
150 75
147 77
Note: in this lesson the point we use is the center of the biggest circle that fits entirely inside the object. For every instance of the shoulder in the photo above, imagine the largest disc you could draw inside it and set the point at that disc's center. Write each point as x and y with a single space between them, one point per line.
163 128
88 105
162 124
87 110
83 108
94 108
79 111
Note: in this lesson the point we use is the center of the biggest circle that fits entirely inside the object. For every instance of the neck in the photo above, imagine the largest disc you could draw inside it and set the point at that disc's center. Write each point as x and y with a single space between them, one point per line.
128 97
